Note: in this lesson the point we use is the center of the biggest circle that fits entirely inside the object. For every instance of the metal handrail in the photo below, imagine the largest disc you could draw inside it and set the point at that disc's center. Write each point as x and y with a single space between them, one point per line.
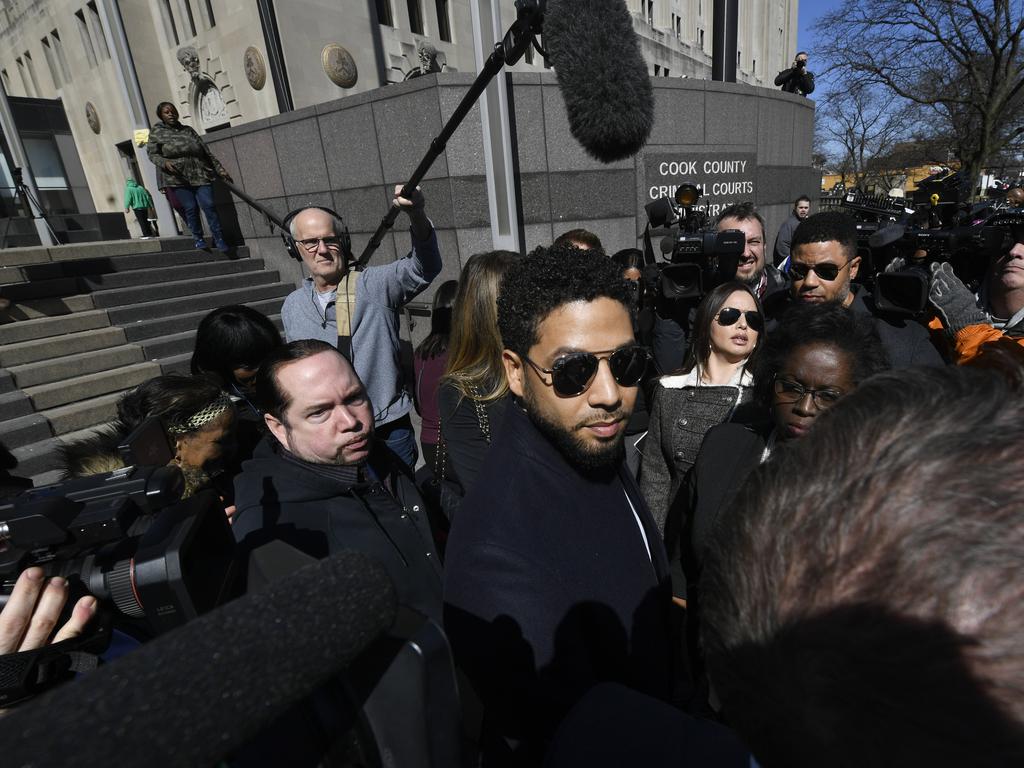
272 220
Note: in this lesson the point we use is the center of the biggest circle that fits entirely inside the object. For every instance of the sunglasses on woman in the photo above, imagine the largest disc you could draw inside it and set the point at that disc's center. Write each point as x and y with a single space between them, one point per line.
827 271
573 374
731 315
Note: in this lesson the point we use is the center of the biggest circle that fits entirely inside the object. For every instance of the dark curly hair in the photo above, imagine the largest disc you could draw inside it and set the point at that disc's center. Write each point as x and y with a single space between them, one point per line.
545 280
828 324
824 228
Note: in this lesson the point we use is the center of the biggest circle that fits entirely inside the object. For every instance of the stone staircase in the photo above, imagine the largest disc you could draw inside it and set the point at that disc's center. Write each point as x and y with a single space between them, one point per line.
89 321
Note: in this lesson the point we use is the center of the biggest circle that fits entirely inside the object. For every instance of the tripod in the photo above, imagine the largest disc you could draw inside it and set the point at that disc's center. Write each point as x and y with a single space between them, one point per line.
31 204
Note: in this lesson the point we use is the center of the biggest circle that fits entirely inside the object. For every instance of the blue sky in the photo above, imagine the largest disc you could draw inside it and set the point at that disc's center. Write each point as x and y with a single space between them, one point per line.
809 12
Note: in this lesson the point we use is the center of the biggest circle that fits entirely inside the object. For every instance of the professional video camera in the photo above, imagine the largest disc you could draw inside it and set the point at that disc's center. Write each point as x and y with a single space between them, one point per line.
126 537
699 258
969 249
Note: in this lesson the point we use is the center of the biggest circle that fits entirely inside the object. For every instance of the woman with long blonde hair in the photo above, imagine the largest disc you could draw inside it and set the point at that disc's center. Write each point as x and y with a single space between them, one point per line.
474 391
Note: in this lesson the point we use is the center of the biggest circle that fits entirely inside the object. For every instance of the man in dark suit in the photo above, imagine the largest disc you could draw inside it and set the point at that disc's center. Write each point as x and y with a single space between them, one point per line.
823 264
556 577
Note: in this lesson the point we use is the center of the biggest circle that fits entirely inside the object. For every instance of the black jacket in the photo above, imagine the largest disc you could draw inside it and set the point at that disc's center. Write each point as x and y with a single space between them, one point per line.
793 80
284 499
549 587
906 341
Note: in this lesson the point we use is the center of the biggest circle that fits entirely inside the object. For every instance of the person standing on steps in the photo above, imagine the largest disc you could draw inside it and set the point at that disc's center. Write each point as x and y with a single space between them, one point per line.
137 200
186 166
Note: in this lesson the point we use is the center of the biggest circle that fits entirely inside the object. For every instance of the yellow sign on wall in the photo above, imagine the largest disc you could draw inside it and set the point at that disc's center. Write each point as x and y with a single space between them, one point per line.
141 137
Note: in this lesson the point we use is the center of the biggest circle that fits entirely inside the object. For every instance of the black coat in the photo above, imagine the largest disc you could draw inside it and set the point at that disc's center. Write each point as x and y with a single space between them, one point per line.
906 341
549 587
318 514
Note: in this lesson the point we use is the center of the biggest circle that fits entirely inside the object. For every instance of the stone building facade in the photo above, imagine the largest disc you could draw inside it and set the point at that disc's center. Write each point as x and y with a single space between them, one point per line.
219 64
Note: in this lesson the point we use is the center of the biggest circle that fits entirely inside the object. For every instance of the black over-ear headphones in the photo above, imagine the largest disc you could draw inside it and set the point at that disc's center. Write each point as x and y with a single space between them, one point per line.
293 248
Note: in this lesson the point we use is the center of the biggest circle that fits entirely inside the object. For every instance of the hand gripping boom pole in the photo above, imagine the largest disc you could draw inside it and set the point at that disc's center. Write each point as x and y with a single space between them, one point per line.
522 34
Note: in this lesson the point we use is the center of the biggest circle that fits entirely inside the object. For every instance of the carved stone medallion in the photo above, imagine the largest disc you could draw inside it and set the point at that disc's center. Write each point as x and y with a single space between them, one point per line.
255 68
92 117
339 65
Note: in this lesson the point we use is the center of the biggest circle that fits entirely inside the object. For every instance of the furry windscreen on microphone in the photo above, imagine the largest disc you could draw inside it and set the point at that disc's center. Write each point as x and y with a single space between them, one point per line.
196 694
602 75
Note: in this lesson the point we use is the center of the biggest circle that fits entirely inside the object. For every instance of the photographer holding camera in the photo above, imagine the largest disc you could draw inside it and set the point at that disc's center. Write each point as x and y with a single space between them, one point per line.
797 79
993 317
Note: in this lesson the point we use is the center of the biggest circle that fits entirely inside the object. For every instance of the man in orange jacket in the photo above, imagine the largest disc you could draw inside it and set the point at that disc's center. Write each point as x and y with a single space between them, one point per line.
992 319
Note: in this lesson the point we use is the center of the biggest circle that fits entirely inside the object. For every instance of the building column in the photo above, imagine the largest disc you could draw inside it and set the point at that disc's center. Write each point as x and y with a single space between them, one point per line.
19 158
497 130
135 105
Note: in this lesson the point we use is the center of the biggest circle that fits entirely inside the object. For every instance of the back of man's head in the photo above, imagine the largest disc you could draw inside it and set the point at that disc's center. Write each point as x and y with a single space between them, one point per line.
583 239
826 227
862 600
547 279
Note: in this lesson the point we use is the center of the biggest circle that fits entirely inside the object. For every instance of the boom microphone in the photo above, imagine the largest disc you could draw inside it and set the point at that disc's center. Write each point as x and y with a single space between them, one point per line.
197 694
601 74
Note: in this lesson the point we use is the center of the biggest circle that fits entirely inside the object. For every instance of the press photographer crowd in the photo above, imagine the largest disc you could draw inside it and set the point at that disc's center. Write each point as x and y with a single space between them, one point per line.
679 508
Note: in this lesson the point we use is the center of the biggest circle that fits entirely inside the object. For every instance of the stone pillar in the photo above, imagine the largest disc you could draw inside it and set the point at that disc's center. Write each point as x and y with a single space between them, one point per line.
131 93
494 119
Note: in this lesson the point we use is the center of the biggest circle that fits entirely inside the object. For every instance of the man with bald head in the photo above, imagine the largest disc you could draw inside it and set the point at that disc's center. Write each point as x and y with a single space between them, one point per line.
358 312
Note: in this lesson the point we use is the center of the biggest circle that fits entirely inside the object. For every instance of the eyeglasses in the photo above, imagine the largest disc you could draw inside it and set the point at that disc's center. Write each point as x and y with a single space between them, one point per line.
789 390
312 244
572 374
826 271
731 315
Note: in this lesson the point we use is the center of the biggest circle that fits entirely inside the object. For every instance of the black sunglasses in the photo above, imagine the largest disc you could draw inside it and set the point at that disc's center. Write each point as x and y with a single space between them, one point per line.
826 271
572 374
731 315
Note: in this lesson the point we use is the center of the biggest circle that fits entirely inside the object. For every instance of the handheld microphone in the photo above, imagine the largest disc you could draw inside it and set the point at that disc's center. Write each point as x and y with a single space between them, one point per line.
197 694
601 74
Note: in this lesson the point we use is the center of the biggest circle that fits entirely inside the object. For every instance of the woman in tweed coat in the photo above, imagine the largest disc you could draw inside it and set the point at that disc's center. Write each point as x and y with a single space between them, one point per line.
714 381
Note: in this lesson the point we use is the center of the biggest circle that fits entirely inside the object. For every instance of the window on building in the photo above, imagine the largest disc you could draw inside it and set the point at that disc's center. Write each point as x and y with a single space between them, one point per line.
62 58
51 62
650 12
384 15
657 70
739 58
168 18
6 78
83 31
753 67
96 27
679 28
528 55
444 26
415 17
188 20
665 73
211 20
700 36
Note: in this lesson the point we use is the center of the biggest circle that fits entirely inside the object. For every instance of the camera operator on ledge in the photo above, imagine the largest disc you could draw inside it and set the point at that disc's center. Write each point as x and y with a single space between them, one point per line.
797 79
995 317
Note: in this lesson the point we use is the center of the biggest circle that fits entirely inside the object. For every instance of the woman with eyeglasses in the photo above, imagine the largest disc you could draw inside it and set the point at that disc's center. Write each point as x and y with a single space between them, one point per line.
816 356
714 382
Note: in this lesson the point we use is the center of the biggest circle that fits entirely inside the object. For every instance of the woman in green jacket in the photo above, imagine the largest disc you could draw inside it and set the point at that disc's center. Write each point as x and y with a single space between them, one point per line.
137 199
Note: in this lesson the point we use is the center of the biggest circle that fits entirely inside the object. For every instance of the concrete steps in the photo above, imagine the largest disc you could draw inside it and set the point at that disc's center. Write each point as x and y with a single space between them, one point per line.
94 320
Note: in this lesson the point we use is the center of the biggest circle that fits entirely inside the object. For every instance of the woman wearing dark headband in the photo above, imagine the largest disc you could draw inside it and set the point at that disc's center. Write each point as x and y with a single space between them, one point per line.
714 381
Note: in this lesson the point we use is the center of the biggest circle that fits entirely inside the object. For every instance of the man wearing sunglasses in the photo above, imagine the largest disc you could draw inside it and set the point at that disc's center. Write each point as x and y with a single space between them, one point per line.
823 264
358 311
555 574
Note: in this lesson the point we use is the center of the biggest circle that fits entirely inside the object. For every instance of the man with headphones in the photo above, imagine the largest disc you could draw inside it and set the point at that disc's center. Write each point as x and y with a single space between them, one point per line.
358 310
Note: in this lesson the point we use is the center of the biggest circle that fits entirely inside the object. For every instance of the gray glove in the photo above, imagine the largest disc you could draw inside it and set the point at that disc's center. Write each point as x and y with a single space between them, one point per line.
895 265
953 300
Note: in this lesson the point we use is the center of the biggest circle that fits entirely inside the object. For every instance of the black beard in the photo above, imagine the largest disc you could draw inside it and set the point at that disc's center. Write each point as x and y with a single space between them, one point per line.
592 464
